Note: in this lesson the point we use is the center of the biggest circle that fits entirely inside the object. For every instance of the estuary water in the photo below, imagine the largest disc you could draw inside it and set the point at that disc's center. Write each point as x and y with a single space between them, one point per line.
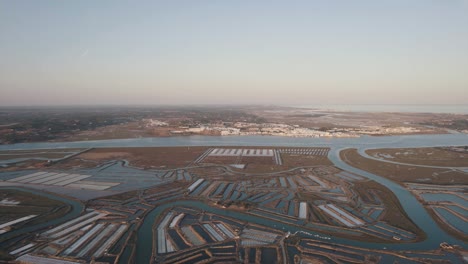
393 108
361 142
413 208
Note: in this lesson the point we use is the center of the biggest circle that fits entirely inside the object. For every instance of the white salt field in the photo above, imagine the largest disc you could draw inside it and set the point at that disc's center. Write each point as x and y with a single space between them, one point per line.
273 195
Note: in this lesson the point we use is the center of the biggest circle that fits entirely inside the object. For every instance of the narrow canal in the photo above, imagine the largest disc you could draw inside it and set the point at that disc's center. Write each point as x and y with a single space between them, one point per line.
410 204
75 210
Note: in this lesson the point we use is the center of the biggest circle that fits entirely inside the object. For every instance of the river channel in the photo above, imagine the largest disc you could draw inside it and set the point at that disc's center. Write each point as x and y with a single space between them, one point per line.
76 208
413 208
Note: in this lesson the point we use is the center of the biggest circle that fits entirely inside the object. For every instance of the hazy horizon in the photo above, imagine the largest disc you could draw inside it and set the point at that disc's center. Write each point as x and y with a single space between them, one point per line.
233 52
400 108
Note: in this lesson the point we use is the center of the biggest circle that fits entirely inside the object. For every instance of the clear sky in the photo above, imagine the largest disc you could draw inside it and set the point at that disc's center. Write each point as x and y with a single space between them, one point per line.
241 51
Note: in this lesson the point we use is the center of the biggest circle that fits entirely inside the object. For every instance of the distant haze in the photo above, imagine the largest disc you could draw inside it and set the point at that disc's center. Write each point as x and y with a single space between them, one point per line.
228 52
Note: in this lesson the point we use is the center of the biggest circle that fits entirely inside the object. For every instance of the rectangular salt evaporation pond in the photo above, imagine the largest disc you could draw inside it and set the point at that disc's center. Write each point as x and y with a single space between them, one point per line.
317 180
213 232
228 190
264 197
292 183
28 176
458 209
60 179
203 234
419 186
89 186
303 210
76 178
349 175
282 182
162 241
176 220
277 157
50 176
376 213
347 215
177 239
71 222
292 208
453 220
22 249
259 235
194 238
395 230
93 243
384 231
200 188
22 219
77 226
84 238
109 242
344 220
214 151
35 178
444 197
234 196
267 200
195 185
43 260
226 231
254 197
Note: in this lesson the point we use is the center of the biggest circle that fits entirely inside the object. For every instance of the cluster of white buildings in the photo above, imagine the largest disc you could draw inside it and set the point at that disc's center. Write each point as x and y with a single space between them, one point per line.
378 130
155 123
272 129
275 129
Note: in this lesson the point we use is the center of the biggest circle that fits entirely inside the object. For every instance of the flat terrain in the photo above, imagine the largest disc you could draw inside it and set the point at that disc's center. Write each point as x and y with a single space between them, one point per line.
296 157
214 202
327 119
447 157
403 173
74 124
161 157
296 160
394 214
92 123
178 157
37 153
29 204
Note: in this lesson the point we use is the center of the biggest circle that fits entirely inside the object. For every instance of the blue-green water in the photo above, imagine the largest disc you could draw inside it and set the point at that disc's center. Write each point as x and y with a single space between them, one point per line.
444 197
76 209
413 208
458 209
453 220
361 142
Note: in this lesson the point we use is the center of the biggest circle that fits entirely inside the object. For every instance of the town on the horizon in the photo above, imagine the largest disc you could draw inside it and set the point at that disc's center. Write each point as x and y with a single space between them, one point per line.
234 184
18 125
239 132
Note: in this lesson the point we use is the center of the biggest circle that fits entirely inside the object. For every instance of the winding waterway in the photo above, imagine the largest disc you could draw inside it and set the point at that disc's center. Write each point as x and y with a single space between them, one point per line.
435 235
75 210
